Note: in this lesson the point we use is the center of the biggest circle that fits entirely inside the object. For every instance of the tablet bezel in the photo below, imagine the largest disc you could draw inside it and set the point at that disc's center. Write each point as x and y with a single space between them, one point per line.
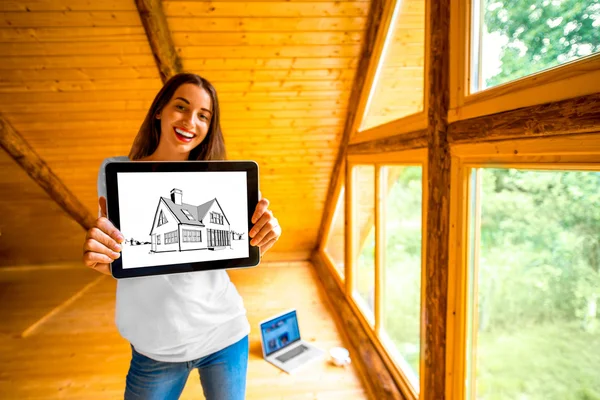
252 192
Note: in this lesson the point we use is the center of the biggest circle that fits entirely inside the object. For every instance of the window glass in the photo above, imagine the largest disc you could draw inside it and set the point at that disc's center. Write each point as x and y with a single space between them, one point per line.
335 240
403 205
364 234
513 39
534 267
397 90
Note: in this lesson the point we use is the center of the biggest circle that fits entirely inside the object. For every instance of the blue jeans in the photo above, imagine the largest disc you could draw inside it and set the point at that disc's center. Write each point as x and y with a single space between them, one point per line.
222 375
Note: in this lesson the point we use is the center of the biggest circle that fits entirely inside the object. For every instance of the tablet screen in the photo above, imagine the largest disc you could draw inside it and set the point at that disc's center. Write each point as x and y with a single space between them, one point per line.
179 217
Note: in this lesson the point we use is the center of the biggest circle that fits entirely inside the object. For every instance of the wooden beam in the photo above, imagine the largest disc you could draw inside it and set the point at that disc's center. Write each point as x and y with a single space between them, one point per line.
380 382
380 14
155 23
436 265
406 141
18 148
571 116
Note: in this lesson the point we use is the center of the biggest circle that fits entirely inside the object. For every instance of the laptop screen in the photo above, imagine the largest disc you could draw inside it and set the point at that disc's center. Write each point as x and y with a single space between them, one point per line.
279 332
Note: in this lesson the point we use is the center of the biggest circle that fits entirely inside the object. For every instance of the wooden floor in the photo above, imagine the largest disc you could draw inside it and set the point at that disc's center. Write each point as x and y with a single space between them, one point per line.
58 339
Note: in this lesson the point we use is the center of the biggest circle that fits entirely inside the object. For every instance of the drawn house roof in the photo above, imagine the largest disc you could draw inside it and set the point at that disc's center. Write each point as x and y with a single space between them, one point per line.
197 212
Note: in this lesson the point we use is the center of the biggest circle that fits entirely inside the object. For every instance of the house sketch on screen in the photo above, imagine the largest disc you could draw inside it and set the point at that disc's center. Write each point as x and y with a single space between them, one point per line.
178 226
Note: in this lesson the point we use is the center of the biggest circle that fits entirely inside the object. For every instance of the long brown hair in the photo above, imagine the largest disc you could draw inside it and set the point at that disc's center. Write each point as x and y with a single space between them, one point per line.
148 137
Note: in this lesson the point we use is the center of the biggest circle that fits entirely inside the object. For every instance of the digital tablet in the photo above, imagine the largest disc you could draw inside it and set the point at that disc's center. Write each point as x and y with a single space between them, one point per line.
182 216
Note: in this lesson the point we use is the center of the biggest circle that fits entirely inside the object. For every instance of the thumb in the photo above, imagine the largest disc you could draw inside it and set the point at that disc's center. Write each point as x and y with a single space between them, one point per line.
102 202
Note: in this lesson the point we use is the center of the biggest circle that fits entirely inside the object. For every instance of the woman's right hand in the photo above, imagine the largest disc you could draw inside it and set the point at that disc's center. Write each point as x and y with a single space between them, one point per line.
102 243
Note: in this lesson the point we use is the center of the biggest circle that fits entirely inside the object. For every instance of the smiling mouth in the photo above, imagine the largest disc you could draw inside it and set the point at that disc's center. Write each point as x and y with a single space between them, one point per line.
183 135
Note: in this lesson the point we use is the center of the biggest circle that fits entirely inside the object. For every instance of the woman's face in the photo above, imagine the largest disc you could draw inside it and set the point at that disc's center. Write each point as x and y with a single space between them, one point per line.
185 119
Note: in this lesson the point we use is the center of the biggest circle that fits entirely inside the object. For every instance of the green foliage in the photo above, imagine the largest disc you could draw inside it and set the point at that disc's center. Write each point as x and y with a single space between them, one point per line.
551 32
540 247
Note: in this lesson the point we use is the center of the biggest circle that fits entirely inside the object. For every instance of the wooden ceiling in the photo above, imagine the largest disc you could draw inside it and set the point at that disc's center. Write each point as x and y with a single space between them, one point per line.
77 76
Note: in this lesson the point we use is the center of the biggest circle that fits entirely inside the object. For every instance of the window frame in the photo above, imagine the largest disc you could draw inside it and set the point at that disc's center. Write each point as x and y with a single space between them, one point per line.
406 124
574 152
576 78
416 157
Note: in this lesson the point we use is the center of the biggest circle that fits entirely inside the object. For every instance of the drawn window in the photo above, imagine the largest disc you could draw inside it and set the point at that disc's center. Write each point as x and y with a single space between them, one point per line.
187 214
533 282
191 236
171 237
216 218
158 238
162 219
514 39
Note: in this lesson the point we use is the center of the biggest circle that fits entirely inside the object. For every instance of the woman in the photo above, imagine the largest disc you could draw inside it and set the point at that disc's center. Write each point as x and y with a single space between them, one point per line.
179 322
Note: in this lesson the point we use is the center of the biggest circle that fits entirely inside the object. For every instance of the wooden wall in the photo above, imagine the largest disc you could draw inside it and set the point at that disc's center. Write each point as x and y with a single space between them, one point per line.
76 78
33 228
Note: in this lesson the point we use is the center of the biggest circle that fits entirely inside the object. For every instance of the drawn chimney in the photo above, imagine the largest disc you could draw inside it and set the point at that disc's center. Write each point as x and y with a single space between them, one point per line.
176 196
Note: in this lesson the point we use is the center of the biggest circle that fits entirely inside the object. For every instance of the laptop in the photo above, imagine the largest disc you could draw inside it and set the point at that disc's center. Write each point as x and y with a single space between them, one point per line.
281 343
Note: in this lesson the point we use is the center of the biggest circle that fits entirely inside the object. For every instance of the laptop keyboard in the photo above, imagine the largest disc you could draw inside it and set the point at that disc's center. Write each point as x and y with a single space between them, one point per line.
292 353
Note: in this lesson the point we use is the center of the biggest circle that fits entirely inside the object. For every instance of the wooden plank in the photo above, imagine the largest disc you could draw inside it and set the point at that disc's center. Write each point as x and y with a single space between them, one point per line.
378 377
16 49
264 9
405 141
139 115
47 62
154 84
71 19
269 24
577 115
74 34
266 38
77 74
159 36
268 51
224 96
15 109
434 332
39 171
65 5
271 63
132 73
79 126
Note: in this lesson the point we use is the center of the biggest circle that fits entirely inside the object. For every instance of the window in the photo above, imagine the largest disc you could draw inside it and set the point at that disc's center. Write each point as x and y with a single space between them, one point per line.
192 235
397 90
171 237
364 236
402 195
514 39
386 221
335 240
218 238
216 218
158 238
187 214
534 284
161 219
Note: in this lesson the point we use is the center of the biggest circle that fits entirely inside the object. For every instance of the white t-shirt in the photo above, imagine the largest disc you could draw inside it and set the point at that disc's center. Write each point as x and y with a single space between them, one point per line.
178 317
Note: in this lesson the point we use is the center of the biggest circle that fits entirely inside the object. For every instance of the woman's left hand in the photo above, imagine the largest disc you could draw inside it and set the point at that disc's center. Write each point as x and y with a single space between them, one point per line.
266 230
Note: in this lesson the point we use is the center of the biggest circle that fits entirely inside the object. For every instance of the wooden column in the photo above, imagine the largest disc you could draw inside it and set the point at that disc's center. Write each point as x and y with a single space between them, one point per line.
155 23
18 148
438 213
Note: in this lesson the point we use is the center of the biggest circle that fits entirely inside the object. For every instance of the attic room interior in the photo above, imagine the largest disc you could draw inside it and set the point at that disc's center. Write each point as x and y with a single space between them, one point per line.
434 167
